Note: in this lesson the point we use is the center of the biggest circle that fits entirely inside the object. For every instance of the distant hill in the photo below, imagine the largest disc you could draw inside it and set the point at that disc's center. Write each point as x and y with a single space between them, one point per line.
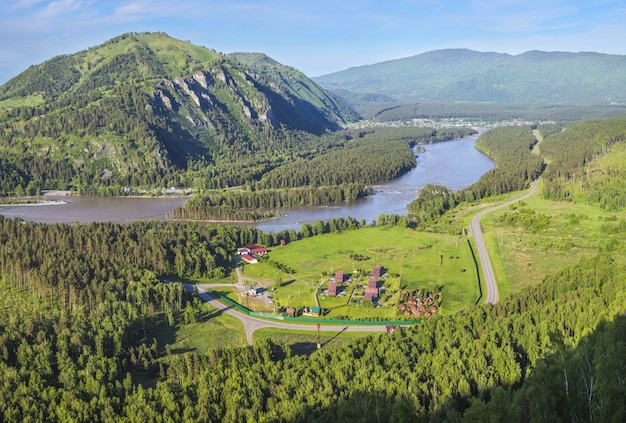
460 75
148 109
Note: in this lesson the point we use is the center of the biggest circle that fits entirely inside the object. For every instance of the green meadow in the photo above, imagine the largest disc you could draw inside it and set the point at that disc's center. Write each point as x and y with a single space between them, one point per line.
306 342
538 237
412 260
214 330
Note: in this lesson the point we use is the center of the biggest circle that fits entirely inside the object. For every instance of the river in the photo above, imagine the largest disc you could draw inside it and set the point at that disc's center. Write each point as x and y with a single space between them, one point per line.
455 164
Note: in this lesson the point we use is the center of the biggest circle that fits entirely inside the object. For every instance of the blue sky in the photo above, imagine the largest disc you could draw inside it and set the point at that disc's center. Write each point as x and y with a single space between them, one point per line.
314 36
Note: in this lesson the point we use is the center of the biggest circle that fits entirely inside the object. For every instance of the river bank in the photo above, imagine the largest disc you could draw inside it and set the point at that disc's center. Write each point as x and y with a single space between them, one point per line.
455 164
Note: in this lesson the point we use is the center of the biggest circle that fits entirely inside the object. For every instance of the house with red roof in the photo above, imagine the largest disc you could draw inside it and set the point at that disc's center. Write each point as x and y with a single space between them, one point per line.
339 276
373 282
376 271
248 258
332 289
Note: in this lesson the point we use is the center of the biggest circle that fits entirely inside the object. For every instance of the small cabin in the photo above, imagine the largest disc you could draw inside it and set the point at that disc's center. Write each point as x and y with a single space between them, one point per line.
248 258
376 271
259 251
373 283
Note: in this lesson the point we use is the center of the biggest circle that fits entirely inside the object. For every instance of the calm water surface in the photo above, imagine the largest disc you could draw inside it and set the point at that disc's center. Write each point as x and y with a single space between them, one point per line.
455 164
96 209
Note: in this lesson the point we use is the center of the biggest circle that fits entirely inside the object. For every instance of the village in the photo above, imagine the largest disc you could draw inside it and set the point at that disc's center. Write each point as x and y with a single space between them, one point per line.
371 294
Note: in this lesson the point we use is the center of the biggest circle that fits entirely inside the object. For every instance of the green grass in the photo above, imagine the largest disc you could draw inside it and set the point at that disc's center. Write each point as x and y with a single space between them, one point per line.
306 342
214 331
29 101
295 293
413 259
575 230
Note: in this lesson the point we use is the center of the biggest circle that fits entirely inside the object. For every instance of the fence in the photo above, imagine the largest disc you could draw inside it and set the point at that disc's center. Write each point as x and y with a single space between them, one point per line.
249 312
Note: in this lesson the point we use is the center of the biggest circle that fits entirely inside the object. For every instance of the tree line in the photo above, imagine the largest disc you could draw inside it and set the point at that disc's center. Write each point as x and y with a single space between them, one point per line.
263 203
327 176
570 151
515 167
552 351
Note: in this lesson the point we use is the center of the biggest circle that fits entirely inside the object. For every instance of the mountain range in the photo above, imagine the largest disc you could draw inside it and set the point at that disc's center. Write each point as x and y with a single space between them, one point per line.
461 75
145 109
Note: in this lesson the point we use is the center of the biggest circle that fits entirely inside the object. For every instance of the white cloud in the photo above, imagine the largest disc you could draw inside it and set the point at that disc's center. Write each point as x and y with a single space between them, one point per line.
61 7
146 9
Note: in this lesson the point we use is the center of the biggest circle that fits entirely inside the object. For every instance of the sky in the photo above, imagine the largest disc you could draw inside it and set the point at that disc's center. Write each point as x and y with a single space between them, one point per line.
315 36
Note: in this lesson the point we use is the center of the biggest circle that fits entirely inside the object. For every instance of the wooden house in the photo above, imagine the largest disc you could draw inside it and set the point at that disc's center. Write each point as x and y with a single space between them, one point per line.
259 250
248 258
376 271
373 282
339 276
332 289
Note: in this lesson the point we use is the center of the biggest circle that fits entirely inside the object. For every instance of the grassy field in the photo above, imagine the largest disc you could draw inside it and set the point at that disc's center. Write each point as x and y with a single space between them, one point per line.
30 101
213 331
413 260
566 232
306 342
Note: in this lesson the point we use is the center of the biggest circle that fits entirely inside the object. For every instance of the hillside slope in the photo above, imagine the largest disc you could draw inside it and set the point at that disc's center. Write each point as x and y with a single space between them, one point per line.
147 109
534 77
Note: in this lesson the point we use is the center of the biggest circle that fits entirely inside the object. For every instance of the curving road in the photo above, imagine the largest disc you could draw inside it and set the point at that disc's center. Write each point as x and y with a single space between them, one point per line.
477 231
251 324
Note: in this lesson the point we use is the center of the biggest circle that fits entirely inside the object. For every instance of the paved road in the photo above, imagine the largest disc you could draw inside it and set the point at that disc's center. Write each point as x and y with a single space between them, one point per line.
485 263
251 324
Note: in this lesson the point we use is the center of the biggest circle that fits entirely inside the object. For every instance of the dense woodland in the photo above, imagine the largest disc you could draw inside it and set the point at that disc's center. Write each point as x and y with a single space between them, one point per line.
81 304
571 150
152 152
262 204
74 348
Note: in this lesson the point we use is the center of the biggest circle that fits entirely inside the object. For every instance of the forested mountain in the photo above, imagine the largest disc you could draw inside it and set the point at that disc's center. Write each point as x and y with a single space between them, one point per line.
147 109
534 77
82 306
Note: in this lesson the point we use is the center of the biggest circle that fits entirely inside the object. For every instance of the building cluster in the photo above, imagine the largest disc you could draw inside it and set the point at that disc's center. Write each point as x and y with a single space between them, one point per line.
371 290
249 252
413 304
314 311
